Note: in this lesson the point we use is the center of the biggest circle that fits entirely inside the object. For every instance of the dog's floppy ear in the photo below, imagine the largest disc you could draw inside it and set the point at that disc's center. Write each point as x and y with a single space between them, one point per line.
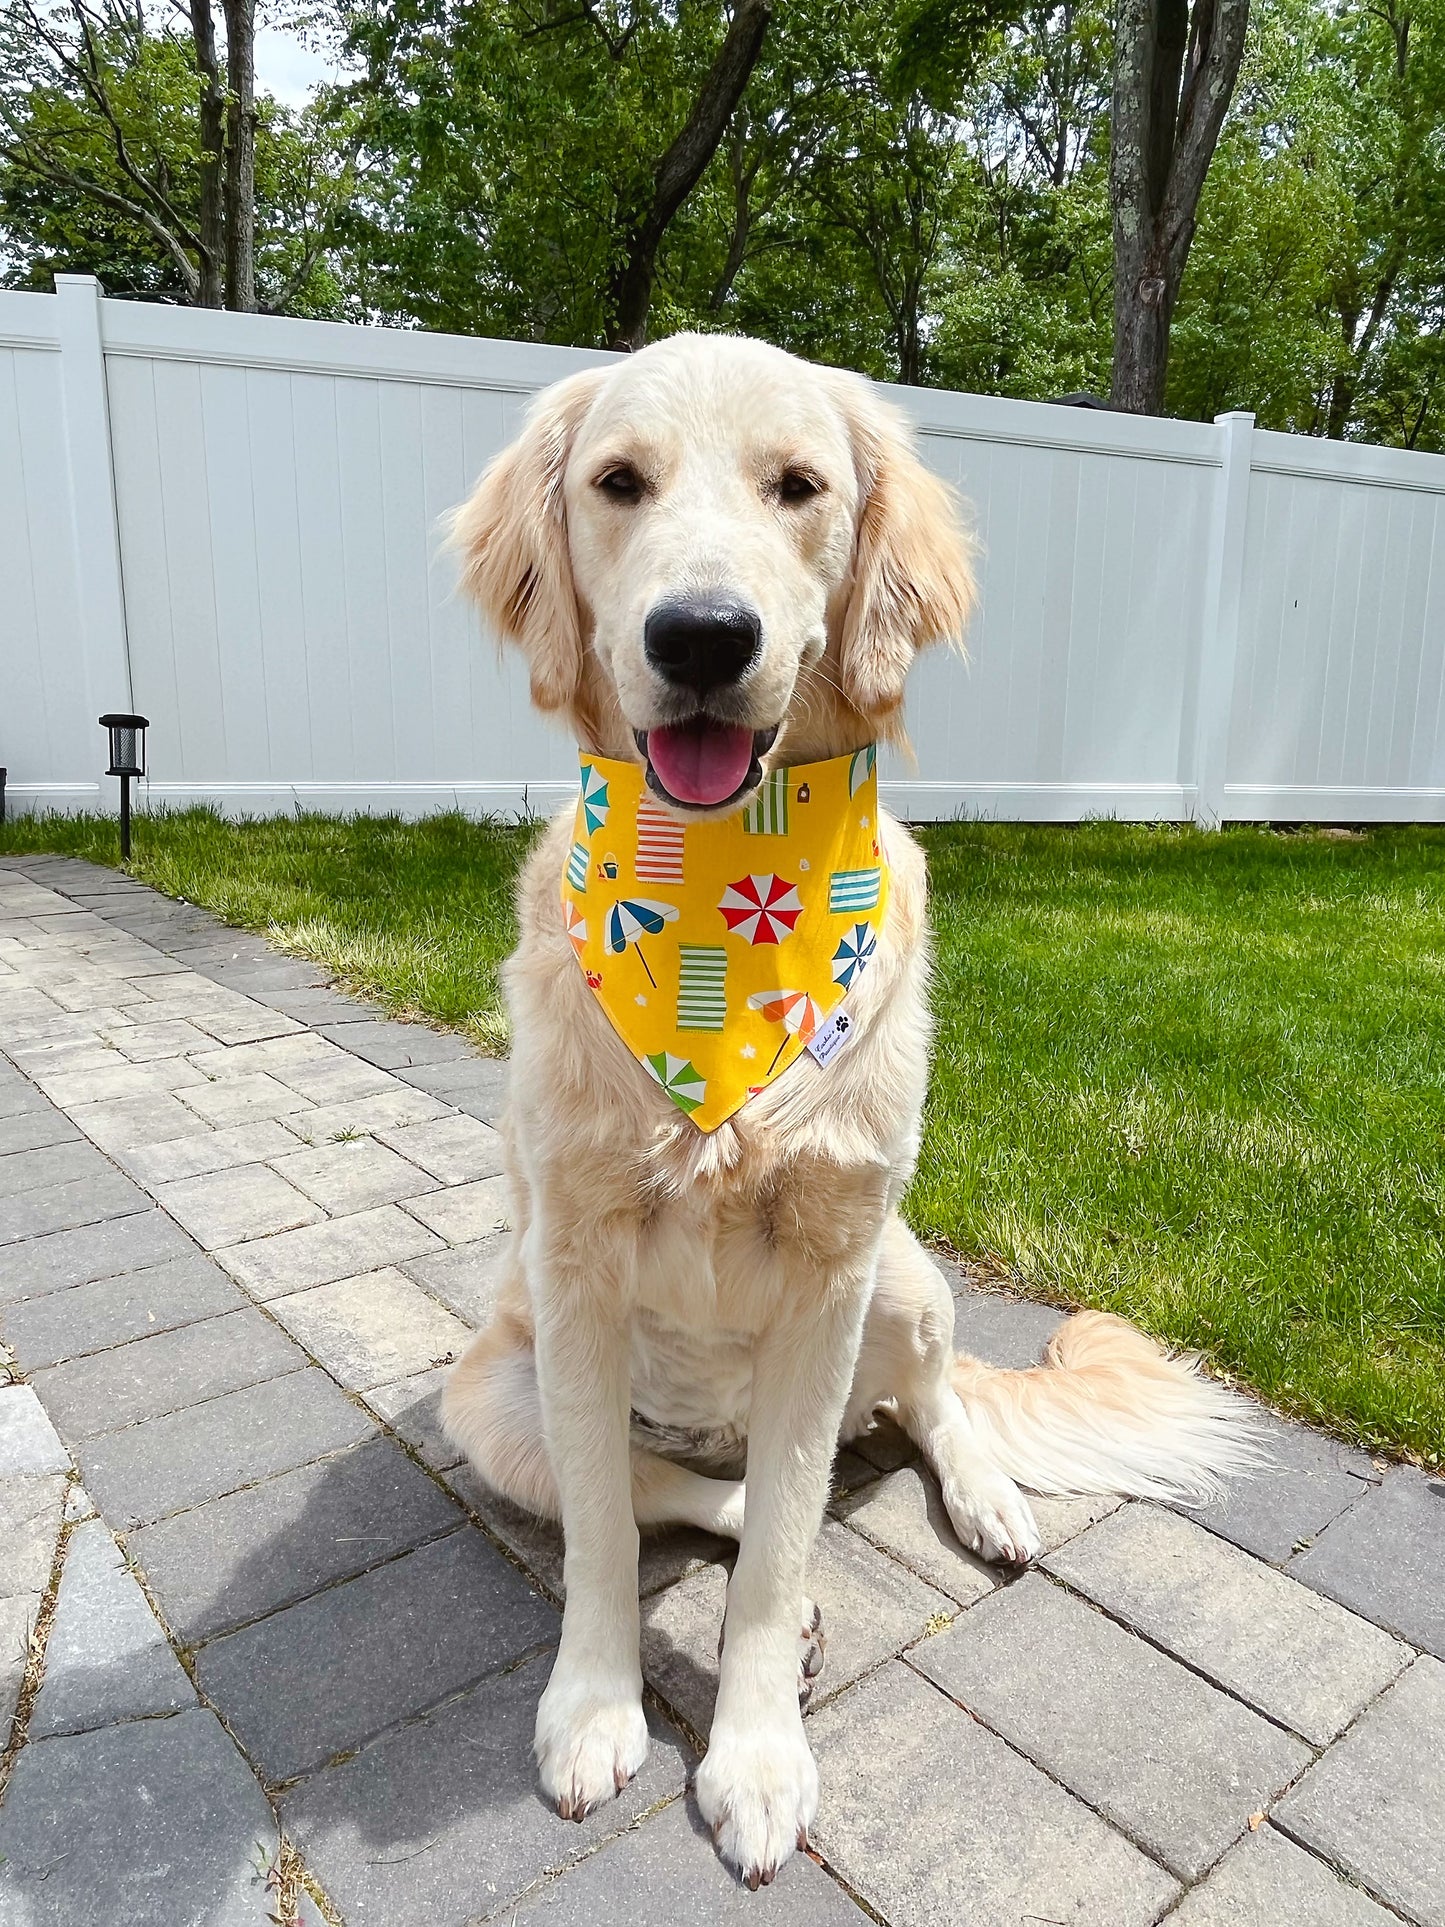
912 577
512 537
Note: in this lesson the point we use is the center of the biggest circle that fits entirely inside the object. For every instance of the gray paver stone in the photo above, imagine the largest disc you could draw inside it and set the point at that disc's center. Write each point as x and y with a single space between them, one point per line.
31 1509
228 1207
872 1607
241 1100
1385 1558
18 1613
43 1265
112 1311
331 1672
903 1514
187 1457
412 1408
28 1441
354 1175
453 1149
1375 1804
1300 1658
672 1853
66 1207
150 1376
56 1164
1176 1764
35 1131
887 1446
442 1822
149 1823
394 1045
477 1085
127 1122
107 1657
372 1328
252 1551
1306 1480
934 1821
1267 1881
320 1253
1010 1332
467 1279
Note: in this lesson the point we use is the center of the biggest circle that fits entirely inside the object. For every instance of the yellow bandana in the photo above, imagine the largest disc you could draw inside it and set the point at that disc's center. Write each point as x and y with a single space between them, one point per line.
719 948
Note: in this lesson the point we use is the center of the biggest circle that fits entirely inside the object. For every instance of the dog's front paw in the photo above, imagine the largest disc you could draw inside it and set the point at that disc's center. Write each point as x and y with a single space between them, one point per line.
591 1738
758 1791
993 1518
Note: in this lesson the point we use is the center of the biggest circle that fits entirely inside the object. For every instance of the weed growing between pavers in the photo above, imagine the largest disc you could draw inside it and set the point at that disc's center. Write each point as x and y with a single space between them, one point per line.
1199 1080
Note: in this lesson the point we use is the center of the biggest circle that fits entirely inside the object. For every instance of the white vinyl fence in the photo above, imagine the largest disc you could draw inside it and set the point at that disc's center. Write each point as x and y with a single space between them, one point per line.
230 524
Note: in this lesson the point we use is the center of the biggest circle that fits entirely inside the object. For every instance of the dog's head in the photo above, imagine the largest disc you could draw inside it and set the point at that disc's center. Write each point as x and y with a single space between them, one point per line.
714 554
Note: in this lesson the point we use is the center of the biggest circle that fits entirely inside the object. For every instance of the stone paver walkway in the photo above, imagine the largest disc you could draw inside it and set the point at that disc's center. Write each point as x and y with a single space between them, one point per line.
266 1647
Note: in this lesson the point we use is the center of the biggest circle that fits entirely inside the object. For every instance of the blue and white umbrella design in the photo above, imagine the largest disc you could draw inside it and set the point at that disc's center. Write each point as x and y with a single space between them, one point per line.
632 918
594 797
854 954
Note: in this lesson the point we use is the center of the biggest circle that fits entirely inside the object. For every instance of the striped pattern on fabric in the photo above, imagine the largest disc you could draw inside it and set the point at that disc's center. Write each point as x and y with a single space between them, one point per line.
577 866
854 889
767 814
659 846
702 986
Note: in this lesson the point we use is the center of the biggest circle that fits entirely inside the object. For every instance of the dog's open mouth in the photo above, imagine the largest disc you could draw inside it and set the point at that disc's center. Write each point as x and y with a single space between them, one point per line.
702 764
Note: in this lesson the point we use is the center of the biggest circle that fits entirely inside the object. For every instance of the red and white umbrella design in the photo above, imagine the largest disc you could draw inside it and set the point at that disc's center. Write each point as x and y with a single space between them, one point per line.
762 909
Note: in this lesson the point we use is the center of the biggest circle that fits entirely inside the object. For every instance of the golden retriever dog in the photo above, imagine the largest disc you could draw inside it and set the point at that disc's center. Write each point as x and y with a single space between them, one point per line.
717 559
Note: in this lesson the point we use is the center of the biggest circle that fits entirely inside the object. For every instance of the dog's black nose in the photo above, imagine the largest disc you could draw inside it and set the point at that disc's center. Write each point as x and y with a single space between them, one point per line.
702 642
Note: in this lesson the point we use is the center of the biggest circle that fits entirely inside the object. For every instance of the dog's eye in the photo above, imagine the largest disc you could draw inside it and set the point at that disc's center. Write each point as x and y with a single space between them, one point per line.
621 483
796 485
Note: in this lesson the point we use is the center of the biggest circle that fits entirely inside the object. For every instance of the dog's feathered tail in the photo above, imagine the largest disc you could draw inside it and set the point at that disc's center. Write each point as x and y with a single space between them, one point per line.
1108 1410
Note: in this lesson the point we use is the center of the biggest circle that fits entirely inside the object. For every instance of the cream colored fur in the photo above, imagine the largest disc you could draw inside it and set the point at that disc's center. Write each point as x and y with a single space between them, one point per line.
756 1282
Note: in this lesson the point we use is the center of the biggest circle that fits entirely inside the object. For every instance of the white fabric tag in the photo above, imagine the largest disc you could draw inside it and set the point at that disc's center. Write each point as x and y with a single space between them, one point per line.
830 1037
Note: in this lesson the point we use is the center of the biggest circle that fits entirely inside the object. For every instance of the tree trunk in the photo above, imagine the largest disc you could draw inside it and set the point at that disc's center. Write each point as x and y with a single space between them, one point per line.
240 191
681 168
1173 78
211 252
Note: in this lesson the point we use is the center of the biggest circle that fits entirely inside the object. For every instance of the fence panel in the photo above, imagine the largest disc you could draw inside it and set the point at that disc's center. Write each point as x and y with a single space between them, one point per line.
234 524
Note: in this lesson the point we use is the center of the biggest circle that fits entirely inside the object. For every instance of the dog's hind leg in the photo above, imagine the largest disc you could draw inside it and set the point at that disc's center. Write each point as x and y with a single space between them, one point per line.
492 1409
907 1357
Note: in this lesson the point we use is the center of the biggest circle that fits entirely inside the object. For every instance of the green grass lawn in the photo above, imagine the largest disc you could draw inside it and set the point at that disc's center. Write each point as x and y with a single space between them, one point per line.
1199 1080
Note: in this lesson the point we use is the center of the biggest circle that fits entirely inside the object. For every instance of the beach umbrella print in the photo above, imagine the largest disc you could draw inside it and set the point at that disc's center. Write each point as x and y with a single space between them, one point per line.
795 1010
632 918
679 1077
762 909
854 954
576 926
594 797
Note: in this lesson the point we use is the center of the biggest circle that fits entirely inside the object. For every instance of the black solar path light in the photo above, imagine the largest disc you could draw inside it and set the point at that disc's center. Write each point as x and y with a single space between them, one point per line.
127 759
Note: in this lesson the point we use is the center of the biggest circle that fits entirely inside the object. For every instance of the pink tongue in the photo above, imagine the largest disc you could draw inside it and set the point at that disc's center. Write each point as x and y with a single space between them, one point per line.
700 762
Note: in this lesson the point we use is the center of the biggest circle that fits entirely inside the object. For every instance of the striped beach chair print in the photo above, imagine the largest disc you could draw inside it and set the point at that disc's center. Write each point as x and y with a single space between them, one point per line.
850 890
659 845
767 814
577 866
702 986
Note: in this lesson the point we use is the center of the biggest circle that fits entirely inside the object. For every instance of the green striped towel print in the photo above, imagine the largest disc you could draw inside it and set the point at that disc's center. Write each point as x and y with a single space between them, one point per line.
702 986
850 890
767 814
577 867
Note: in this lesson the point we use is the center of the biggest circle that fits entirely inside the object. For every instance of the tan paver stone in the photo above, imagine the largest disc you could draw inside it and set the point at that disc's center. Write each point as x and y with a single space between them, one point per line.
230 1206
354 1175
1295 1655
465 1212
239 1100
123 1080
372 1328
320 1253
129 1122
208 1150
454 1149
